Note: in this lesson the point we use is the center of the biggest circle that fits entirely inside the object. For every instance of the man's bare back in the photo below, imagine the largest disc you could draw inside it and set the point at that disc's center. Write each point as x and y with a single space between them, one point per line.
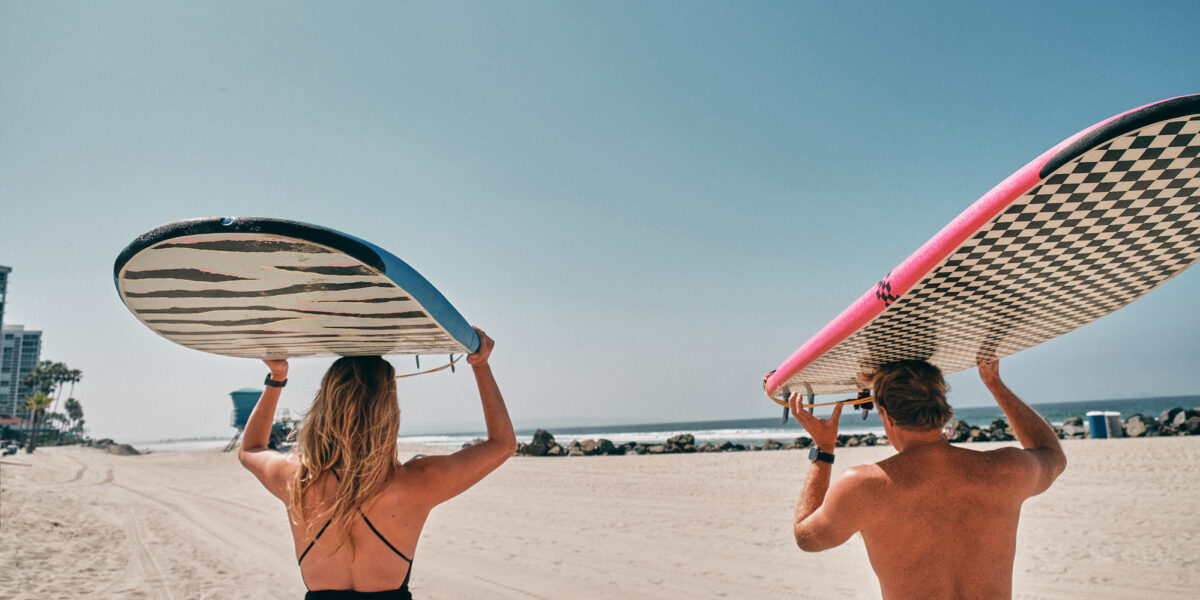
938 521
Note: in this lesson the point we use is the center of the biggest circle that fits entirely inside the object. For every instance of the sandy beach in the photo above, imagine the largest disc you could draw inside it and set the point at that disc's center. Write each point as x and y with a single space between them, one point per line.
1122 522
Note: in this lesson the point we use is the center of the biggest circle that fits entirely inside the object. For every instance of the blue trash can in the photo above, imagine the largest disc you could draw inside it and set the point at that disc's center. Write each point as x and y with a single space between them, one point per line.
1097 424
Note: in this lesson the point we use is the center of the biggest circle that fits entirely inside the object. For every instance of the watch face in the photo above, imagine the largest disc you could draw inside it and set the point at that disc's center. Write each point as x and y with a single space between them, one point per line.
812 453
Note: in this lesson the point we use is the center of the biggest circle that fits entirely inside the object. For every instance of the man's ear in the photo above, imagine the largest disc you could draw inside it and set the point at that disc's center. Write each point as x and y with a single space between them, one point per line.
884 416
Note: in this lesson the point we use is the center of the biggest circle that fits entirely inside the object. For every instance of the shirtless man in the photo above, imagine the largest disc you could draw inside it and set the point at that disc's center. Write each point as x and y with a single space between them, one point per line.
938 521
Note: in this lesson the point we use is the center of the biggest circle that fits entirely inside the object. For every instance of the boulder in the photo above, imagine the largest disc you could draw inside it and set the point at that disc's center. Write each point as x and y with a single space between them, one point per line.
681 440
121 449
1190 426
1169 415
606 447
540 445
1072 431
802 442
1074 421
1179 419
869 440
709 447
957 431
589 447
655 449
976 435
772 445
1140 426
853 441
1001 435
883 441
556 450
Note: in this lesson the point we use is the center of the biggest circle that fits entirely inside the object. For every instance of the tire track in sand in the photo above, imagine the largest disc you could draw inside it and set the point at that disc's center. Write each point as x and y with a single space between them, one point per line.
151 571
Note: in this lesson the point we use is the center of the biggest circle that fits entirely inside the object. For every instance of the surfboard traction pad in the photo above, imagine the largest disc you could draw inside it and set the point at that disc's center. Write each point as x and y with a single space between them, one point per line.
1093 235
271 296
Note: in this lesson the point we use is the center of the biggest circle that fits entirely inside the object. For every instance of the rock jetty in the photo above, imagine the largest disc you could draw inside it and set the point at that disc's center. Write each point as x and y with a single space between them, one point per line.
1176 421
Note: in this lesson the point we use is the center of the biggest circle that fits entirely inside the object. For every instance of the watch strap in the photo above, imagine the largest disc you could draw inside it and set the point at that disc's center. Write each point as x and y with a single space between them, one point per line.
272 383
815 454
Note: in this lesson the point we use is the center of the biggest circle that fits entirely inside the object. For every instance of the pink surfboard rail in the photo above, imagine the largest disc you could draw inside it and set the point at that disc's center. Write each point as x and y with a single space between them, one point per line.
930 255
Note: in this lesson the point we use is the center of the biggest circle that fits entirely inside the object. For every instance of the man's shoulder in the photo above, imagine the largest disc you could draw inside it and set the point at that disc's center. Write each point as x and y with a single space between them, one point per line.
864 477
1006 456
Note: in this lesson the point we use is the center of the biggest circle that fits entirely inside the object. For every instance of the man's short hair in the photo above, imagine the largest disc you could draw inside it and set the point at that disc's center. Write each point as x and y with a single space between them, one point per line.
913 393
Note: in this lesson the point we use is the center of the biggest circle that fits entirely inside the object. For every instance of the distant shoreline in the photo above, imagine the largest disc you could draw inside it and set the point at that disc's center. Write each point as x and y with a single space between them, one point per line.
748 432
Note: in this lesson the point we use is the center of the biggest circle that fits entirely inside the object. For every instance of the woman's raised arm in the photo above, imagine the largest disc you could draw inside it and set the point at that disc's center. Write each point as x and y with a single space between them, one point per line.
272 468
449 476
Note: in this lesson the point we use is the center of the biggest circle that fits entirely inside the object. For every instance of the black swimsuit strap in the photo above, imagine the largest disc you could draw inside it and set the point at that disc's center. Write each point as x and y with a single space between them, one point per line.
373 530
383 539
319 534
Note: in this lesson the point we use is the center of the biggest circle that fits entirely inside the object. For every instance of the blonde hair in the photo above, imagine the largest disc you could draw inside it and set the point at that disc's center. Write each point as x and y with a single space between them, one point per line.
350 429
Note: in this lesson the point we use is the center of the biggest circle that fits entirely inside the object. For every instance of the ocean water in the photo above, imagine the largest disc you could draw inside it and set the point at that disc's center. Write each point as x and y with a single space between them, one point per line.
180 445
756 431
747 431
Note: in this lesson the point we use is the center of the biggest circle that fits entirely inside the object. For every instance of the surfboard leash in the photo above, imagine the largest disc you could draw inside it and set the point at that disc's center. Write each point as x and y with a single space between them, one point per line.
850 402
449 365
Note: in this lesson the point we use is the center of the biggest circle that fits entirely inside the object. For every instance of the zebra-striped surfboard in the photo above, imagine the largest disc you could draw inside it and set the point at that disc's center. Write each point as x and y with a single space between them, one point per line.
271 288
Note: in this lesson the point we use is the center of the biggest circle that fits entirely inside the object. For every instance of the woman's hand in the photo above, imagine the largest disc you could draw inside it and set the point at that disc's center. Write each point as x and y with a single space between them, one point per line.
279 369
479 358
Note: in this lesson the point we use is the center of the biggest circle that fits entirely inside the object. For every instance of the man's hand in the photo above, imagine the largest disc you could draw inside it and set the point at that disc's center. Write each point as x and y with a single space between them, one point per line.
823 431
989 372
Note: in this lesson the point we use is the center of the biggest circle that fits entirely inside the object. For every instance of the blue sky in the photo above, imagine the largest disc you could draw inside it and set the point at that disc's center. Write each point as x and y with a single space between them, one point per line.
647 204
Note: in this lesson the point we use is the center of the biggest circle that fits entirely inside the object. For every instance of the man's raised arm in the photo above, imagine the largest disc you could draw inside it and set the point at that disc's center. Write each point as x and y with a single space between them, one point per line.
1034 433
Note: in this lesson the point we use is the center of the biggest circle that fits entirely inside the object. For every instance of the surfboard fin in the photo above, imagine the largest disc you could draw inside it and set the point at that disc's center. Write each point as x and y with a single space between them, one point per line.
451 363
418 356
865 407
785 416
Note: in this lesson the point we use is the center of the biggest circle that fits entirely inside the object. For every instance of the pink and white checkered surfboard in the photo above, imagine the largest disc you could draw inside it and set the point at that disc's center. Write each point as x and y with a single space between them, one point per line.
1086 228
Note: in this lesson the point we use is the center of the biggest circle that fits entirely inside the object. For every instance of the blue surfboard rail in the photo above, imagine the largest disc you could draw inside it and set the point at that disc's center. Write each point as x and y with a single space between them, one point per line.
390 266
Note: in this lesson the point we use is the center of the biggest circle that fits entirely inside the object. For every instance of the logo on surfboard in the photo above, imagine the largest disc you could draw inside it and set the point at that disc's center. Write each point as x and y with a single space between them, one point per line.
883 291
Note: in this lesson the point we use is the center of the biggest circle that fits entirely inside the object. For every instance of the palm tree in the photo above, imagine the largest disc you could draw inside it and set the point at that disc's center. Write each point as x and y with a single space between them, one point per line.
36 405
74 410
48 377
71 376
41 377
74 416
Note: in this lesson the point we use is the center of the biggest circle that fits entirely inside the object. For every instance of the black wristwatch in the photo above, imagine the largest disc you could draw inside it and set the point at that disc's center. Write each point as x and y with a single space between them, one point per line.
815 454
273 383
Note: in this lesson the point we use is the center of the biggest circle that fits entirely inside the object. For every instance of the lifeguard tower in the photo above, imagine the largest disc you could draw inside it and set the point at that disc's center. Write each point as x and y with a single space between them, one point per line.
243 403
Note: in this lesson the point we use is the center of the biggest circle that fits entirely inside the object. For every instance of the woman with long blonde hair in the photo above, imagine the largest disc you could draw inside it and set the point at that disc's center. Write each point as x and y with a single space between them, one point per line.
356 511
